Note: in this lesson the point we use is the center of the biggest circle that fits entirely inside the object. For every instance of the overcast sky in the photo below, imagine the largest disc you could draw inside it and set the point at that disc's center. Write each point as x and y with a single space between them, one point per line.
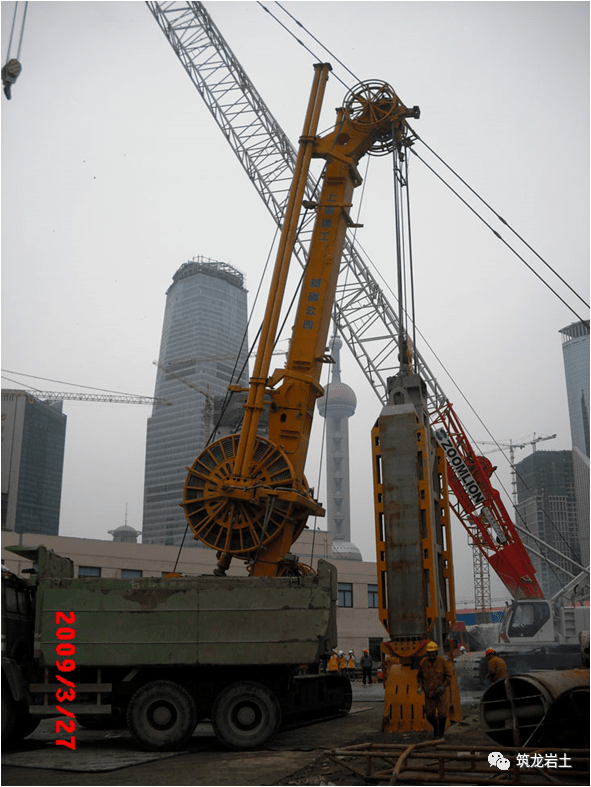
114 174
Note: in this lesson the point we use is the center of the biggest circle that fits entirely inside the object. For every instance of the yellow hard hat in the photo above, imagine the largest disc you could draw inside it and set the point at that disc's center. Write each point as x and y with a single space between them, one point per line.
431 646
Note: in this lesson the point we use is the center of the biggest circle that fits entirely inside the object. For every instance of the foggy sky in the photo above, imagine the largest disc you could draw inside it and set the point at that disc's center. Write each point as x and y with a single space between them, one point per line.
114 174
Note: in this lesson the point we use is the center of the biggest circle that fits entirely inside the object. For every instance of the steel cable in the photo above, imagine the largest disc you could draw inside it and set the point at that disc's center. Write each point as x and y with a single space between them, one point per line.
503 221
507 244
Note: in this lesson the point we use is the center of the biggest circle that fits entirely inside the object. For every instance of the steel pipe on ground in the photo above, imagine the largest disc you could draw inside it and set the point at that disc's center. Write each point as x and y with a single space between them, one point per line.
549 708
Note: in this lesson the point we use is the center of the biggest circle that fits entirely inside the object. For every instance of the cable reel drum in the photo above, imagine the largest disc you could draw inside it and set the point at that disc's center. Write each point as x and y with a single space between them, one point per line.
243 523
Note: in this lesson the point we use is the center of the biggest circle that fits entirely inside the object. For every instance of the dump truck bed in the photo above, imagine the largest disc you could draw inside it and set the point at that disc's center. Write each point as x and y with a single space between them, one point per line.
190 621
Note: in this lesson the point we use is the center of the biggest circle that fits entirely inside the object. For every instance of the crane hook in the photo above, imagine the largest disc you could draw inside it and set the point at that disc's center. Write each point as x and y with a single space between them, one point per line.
9 74
13 67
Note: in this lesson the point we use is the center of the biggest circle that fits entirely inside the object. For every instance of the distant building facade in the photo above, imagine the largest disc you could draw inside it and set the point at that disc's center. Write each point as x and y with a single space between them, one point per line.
203 332
547 508
575 351
33 445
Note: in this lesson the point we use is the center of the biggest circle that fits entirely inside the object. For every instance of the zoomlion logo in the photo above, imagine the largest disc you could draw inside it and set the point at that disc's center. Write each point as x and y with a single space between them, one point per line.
459 467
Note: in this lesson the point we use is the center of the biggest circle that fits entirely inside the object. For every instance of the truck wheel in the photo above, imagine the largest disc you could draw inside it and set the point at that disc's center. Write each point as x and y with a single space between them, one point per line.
161 716
16 724
245 716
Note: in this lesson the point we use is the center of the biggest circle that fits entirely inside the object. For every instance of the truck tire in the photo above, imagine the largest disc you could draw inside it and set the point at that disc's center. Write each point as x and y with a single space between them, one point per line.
161 716
16 724
245 716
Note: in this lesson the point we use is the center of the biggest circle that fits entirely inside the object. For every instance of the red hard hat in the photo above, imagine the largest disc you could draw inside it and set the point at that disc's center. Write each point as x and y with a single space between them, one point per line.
489 651
366 651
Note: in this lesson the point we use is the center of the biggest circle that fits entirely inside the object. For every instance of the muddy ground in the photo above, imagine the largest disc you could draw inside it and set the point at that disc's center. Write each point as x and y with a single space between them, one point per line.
295 757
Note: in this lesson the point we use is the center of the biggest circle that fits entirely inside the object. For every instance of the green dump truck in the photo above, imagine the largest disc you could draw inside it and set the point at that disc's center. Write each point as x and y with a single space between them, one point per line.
164 654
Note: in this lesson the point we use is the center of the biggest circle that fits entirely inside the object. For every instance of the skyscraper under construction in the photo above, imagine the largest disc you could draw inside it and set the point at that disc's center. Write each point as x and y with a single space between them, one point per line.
203 335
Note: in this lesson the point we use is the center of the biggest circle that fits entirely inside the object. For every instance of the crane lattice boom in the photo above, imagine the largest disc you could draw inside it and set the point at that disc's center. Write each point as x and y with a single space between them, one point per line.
365 319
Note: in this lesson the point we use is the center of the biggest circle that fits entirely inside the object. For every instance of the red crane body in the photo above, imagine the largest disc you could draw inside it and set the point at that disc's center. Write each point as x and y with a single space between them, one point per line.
480 509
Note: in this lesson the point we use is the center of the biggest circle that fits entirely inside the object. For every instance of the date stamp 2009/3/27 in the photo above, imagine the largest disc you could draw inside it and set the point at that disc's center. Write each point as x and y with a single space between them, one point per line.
65 634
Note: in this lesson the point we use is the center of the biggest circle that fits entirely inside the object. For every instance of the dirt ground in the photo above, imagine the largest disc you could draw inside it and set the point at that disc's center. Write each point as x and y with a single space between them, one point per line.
204 762
295 757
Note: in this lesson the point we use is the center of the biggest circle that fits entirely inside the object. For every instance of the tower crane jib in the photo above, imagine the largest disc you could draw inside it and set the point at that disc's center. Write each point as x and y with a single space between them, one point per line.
85 397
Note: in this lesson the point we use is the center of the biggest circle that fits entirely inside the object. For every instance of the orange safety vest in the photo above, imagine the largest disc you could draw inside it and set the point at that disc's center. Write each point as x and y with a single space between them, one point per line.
497 669
333 663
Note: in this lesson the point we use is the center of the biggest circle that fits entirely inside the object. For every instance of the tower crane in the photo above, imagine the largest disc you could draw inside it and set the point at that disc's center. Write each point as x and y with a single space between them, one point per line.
512 447
365 319
208 410
84 397
199 359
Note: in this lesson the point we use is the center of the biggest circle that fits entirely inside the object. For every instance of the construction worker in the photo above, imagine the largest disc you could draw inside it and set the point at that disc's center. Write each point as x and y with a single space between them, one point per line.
333 662
342 663
351 665
366 666
434 678
497 669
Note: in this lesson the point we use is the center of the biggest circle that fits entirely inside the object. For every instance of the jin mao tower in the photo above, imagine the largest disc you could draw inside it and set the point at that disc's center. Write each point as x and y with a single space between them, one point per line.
203 333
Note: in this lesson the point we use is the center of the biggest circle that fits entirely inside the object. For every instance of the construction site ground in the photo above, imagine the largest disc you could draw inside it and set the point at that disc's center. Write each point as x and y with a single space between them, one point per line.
296 756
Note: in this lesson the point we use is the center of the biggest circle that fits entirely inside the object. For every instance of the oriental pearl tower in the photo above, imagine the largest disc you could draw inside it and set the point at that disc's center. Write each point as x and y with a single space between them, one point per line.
337 405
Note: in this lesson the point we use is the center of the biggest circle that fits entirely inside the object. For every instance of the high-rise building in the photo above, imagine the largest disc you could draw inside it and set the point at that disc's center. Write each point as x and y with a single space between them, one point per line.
581 480
337 406
33 444
546 507
575 352
203 333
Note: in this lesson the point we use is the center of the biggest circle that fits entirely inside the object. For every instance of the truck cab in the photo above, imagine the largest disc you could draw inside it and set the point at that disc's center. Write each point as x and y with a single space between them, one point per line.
17 617
17 657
